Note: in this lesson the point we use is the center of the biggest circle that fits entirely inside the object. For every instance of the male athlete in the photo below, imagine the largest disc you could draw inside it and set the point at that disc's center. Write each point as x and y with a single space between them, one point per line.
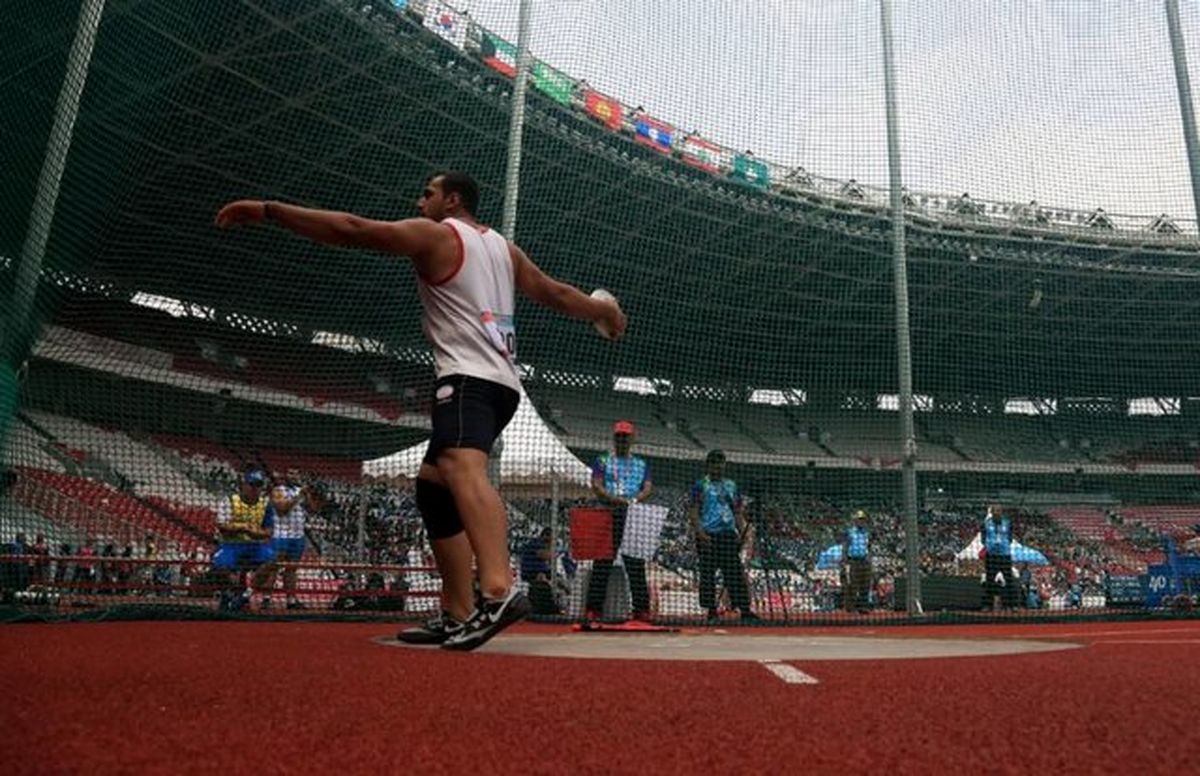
466 274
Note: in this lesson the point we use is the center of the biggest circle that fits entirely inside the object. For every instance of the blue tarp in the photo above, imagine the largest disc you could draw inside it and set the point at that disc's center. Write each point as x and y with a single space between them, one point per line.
830 557
1023 554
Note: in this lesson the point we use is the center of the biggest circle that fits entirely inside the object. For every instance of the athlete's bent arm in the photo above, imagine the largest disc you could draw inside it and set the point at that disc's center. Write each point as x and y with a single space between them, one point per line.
563 297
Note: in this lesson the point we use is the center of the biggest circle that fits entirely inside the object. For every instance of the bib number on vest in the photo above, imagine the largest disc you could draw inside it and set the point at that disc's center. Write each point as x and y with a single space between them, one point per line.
501 332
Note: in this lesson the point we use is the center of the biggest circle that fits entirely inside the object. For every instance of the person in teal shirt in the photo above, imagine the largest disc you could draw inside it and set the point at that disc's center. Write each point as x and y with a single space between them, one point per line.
856 550
619 479
718 517
996 534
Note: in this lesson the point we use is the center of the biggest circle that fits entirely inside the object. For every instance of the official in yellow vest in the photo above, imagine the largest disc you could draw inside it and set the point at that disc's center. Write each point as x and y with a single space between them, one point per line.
244 527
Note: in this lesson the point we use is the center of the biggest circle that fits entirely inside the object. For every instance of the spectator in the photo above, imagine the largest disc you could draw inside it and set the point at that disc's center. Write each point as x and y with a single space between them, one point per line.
1028 594
290 503
85 571
40 565
536 559
620 478
16 571
718 519
125 570
244 527
108 569
63 568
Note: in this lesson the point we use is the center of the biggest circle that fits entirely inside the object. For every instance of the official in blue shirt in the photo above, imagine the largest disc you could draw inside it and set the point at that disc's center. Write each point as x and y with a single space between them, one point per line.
996 534
619 479
856 550
718 519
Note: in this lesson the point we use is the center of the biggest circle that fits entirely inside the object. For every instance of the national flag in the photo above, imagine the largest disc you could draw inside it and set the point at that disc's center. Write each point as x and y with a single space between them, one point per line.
555 84
604 109
656 134
751 171
446 23
499 54
703 155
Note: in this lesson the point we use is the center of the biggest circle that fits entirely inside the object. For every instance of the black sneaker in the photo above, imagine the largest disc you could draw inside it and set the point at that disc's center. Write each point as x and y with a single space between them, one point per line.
489 619
434 631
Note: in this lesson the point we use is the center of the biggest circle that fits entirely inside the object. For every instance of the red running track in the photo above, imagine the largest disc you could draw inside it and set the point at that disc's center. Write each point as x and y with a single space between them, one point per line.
193 697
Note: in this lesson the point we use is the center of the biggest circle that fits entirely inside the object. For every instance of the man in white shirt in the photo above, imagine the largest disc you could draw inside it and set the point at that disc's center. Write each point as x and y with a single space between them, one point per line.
290 503
466 275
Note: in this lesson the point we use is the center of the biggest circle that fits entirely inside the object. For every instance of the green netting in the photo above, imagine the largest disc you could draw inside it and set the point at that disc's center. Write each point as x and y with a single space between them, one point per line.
723 168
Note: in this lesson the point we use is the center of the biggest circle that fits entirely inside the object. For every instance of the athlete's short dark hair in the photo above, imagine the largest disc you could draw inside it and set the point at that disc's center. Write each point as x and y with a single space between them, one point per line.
454 182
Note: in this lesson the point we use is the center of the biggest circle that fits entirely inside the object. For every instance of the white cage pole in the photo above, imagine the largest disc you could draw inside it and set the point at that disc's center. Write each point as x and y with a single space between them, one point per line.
516 124
54 164
1186 110
912 558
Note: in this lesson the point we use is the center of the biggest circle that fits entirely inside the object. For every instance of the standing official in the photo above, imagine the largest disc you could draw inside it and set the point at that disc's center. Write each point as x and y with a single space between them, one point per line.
996 534
856 549
620 478
717 515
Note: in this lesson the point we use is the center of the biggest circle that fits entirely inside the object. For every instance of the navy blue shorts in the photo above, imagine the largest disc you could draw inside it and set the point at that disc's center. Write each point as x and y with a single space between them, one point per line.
469 412
241 555
288 550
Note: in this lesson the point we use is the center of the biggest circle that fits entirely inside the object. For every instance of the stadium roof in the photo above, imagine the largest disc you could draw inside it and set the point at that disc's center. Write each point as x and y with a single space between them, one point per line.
351 105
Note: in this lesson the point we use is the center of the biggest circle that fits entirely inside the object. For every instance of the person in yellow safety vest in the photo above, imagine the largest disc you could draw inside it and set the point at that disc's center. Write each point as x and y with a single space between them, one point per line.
244 523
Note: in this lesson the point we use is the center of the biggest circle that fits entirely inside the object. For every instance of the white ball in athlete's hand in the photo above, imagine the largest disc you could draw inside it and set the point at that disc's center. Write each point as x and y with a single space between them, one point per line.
604 296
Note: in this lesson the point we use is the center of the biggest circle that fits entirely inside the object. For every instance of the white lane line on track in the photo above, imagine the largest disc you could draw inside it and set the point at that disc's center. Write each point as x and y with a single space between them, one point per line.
1148 641
789 674
1129 632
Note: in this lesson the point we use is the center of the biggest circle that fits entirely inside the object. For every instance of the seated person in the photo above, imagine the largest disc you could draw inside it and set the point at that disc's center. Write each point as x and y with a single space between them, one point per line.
244 530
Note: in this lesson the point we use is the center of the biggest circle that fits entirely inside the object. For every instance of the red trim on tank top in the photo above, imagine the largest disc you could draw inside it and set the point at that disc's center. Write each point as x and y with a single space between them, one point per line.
462 257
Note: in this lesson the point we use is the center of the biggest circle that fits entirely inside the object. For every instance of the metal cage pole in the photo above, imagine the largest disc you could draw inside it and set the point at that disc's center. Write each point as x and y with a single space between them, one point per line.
555 500
516 123
1186 111
16 326
41 215
903 341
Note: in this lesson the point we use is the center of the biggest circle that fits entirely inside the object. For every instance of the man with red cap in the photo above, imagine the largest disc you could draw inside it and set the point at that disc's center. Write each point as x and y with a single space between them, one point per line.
619 479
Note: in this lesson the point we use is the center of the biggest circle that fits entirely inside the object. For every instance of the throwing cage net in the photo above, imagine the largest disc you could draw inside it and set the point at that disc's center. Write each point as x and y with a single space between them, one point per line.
724 170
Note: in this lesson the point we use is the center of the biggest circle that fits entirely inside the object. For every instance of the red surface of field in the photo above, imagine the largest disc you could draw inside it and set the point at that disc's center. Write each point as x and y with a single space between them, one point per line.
302 697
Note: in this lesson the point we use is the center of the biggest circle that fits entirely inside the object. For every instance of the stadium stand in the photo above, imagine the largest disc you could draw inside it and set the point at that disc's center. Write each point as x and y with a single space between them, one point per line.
798 260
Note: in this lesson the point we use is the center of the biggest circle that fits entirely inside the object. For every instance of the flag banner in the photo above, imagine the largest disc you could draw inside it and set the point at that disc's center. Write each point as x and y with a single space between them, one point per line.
555 84
656 134
643 526
703 155
446 22
749 170
499 54
606 110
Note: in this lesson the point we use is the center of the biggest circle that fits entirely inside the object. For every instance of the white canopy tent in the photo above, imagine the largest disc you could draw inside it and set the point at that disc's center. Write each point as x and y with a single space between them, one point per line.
529 451
1020 553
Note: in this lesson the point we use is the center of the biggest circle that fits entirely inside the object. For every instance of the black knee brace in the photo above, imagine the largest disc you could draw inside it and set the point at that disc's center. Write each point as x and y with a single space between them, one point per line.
438 511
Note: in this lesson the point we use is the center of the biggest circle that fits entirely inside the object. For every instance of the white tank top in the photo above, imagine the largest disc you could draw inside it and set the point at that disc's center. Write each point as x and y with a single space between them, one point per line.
290 525
469 316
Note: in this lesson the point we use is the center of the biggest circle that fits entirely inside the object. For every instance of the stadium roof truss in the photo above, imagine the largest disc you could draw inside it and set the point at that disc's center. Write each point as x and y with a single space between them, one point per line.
351 105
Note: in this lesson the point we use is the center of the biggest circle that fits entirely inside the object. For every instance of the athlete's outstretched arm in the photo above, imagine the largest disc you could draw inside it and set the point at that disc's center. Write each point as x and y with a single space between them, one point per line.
412 237
563 297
